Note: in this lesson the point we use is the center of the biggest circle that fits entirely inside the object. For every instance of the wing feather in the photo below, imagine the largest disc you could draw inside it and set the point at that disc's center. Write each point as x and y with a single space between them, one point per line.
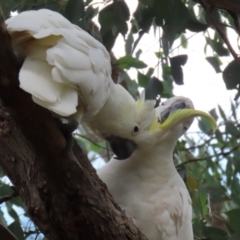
174 214
59 55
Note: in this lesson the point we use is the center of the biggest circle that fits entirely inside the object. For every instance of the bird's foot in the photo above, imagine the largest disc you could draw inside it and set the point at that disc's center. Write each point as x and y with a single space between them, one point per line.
67 130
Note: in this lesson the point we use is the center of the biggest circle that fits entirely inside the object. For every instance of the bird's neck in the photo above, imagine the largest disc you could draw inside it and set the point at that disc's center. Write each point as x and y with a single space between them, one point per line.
113 113
161 158
147 164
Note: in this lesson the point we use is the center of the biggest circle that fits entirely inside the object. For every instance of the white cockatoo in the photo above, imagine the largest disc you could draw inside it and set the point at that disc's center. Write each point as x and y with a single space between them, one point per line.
146 185
68 72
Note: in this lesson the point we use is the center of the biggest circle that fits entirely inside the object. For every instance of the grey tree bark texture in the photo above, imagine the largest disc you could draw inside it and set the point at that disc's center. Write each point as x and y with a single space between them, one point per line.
62 193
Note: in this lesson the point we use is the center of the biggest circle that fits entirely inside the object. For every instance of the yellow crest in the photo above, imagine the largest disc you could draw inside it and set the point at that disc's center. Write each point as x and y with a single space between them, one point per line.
179 115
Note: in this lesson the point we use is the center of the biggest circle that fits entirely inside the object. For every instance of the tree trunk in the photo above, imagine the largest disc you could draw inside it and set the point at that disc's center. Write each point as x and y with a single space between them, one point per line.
62 193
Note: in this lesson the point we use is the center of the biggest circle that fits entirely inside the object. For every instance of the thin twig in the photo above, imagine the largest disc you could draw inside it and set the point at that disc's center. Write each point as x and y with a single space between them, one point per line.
159 61
219 30
90 140
194 160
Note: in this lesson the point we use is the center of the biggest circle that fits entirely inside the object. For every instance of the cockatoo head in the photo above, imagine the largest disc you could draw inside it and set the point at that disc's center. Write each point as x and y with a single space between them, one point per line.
158 126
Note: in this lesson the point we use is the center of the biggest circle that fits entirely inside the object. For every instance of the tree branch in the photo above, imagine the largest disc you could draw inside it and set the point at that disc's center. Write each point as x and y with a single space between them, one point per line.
6 234
219 29
62 193
223 154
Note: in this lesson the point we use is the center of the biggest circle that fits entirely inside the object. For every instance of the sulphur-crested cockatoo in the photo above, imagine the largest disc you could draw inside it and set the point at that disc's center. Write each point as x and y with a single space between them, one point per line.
68 72
147 185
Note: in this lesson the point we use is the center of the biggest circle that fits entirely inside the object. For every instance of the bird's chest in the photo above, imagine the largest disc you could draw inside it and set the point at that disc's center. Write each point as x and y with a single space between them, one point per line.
135 196
149 201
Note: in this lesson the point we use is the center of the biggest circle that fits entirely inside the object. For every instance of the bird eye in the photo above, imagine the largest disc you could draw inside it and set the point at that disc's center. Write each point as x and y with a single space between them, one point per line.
135 129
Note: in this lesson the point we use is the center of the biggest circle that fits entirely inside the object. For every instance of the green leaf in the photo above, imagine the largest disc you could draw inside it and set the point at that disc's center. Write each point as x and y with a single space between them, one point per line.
38 4
7 6
143 19
236 161
218 47
231 75
205 125
129 43
167 70
138 53
213 113
99 147
235 188
222 113
75 11
153 88
219 136
191 183
184 41
113 20
217 193
12 212
177 72
197 227
167 89
203 200
147 2
5 189
213 233
17 201
214 63
231 129
150 72
234 218
142 79
82 143
91 12
234 236
158 54
194 25
233 108
131 85
172 16
128 61
1 172
182 171
16 229
2 218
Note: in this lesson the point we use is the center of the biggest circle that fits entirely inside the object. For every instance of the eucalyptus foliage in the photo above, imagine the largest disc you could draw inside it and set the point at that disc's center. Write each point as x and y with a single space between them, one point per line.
209 163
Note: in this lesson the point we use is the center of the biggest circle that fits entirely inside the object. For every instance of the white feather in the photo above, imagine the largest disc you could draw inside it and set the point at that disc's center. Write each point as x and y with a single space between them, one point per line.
61 60
147 185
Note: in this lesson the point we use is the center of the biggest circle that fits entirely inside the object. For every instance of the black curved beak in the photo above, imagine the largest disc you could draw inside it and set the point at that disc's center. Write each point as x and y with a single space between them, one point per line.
164 114
121 147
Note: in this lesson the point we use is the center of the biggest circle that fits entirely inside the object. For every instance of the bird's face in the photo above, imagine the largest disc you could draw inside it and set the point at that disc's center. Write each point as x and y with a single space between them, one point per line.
169 122
168 127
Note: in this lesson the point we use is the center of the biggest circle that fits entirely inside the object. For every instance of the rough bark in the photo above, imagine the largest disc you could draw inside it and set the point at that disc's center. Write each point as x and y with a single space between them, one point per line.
62 193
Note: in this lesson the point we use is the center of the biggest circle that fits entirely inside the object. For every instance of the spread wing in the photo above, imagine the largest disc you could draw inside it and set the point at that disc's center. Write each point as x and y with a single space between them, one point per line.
65 69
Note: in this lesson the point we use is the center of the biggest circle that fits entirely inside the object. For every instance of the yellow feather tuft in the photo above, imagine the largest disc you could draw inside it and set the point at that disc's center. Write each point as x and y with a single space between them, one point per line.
139 104
155 125
179 115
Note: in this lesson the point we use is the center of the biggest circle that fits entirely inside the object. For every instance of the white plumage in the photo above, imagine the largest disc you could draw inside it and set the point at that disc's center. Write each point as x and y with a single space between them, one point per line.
68 72
147 185
65 69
